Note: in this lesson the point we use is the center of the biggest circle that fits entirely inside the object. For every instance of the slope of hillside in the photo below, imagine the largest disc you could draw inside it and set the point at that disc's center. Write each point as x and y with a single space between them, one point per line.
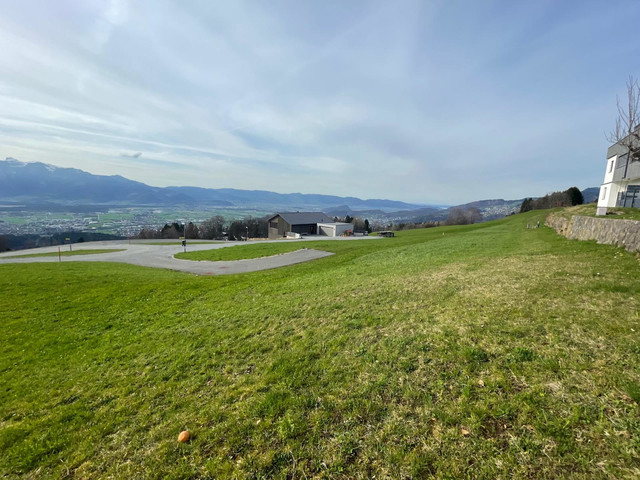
459 352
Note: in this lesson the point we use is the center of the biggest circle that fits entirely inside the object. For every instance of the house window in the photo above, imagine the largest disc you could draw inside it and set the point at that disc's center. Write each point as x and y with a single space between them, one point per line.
611 166
630 197
622 160
604 192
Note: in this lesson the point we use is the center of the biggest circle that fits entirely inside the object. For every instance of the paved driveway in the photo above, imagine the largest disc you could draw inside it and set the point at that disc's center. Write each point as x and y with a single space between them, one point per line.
161 256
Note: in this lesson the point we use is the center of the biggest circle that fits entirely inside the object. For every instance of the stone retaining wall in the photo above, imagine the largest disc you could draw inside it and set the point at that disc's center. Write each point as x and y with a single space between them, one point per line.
623 233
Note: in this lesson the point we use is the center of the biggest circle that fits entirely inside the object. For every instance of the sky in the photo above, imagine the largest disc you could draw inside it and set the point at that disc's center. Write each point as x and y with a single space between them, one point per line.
433 102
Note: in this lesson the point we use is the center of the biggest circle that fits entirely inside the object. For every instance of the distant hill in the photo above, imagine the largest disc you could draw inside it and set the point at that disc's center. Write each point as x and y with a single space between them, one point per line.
497 208
344 210
590 194
490 209
39 183
54 187
42 183
425 214
292 201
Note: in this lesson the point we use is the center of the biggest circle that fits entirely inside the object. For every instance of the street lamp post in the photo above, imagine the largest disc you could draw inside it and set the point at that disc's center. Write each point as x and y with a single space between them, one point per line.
184 238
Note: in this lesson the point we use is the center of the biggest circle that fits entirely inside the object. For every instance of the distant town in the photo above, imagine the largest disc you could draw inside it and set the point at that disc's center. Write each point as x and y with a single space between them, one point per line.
125 222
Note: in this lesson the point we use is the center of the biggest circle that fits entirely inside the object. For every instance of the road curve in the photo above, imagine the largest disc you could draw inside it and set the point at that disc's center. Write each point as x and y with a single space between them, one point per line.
161 256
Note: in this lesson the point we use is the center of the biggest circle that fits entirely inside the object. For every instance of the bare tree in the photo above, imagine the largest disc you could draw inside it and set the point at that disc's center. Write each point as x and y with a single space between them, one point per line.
463 216
148 233
191 231
4 245
175 230
627 132
212 228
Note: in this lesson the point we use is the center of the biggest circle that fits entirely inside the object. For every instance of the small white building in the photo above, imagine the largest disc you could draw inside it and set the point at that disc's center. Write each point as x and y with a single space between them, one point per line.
621 185
334 229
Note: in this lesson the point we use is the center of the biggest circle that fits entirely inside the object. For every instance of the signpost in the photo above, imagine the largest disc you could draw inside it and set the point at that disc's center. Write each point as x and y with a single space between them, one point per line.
184 243
68 239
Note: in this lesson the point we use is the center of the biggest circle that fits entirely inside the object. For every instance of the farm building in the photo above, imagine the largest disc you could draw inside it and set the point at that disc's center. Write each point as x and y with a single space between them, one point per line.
305 223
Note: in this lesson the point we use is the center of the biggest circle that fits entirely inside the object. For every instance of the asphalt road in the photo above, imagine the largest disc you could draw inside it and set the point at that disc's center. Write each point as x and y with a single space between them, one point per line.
161 256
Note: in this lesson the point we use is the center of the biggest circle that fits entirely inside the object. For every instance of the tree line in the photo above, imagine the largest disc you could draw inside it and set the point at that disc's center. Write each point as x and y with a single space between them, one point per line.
215 228
568 198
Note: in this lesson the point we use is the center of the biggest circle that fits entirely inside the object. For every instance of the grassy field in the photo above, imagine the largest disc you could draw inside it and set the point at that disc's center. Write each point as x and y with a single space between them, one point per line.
179 242
487 352
589 210
258 250
67 253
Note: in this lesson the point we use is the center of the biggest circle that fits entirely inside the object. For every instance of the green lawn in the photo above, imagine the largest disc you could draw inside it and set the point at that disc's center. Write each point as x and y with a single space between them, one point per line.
179 242
485 351
67 253
589 210
260 249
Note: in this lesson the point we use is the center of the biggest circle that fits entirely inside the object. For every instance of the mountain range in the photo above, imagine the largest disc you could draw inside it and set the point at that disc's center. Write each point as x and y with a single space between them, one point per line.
42 184
39 183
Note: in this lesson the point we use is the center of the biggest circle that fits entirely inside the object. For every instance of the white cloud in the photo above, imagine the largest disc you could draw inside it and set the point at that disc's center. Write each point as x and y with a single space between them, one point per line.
435 102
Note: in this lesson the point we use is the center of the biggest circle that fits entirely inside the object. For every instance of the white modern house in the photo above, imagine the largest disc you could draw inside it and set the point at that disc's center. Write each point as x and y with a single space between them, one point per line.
621 185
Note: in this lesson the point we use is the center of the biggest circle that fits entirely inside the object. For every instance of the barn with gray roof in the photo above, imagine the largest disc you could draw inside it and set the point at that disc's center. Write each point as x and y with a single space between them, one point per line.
305 223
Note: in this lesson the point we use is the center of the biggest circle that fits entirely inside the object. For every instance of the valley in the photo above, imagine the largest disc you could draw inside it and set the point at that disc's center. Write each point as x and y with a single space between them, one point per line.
121 221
